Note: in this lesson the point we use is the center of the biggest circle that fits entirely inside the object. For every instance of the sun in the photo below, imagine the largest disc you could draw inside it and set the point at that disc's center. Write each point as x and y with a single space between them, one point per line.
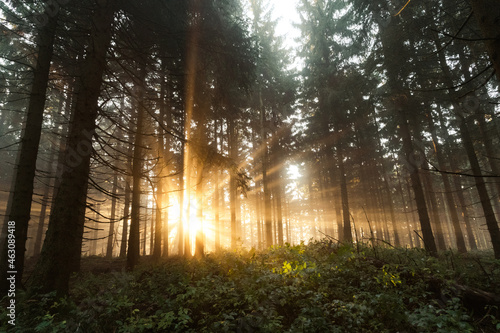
191 221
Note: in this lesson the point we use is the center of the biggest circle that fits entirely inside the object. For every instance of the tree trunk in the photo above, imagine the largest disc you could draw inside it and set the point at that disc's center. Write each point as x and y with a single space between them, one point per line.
158 232
133 252
20 200
111 232
347 231
94 230
392 44
200 243
486 14
268 223
232 180
126 218
491 151
403 201
62 246
161 155
425 223
277 193
43 211
489 214
459 237
217 199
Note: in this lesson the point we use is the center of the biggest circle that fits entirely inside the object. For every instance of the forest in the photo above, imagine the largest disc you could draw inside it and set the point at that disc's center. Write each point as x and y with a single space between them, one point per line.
182 166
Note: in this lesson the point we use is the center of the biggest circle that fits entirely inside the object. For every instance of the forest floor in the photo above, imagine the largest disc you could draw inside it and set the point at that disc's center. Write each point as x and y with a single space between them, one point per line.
320 287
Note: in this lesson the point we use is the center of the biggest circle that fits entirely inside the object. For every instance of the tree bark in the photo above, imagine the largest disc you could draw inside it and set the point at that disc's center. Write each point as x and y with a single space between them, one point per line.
62 246
268 222
126 218
233 151
452 209
486 14
277 191
489 214
111 232
133 252
200 242
391 46
19 206
43 211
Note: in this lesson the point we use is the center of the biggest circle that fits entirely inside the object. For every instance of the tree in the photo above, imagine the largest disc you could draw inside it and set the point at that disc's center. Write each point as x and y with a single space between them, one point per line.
59 253
487 19
21 199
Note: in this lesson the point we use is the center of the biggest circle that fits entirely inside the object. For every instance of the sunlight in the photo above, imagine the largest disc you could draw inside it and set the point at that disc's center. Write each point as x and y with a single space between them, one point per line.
294 172
193 225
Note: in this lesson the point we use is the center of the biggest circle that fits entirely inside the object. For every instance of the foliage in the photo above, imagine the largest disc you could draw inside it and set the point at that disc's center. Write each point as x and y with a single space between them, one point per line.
320 287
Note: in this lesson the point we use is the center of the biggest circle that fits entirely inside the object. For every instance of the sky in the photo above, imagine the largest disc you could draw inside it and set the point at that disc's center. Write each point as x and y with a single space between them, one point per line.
285 11
286 14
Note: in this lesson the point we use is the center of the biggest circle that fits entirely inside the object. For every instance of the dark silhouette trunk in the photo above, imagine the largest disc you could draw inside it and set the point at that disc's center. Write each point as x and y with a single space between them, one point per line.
43 210
216 193
126 216
277 194
94 229
233 151
200 242
22 191
452 209
133 252
180 226
486 14
268 222
111 232
393 45
158 225
489 214
62 246
346 228
416 184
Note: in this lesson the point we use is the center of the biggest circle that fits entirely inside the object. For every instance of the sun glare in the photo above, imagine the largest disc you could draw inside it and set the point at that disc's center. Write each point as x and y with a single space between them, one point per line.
294 172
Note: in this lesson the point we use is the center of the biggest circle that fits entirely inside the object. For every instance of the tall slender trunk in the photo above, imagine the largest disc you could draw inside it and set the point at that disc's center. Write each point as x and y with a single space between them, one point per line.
161 155
416 184
492 153
232 180
95 230
180 226
60 253
133 252
152 225
486 205
165 229
158 232
200 243
390 203
391 43
268 223
459 237
347 230
216 194
489 214
277 195
408 227
126 218
111 231
19 205
425 176
43 211
385 179
486 14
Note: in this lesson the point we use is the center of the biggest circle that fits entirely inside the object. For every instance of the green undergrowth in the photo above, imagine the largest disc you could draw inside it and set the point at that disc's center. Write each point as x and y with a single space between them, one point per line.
320 287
